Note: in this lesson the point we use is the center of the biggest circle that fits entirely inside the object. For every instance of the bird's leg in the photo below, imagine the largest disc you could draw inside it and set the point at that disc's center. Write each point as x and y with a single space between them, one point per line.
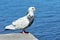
24 32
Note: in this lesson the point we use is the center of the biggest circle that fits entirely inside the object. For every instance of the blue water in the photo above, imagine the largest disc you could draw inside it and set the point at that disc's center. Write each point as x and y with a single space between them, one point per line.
46 25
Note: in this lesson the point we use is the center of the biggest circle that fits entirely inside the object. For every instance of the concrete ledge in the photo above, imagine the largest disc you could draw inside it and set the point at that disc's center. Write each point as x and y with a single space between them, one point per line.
17 36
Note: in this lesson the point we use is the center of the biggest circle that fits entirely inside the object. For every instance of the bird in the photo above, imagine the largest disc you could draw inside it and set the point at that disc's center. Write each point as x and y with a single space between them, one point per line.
23 22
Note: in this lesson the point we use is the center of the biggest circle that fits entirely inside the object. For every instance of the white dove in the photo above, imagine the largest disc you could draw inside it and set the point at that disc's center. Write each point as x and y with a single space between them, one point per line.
24 22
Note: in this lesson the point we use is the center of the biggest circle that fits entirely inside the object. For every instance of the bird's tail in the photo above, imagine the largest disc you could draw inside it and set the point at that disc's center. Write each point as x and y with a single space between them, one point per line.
10 27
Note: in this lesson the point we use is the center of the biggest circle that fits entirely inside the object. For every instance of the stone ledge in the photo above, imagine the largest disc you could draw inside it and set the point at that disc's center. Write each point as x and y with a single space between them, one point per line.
17 36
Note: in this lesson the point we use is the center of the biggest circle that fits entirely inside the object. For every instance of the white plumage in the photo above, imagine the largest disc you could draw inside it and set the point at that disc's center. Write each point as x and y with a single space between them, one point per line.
23 22
18 24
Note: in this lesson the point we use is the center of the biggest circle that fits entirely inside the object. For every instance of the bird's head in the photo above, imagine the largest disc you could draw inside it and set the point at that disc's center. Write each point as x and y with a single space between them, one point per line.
32 9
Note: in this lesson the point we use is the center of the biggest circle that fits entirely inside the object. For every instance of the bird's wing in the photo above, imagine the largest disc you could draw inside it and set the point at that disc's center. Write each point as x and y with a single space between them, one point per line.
21 23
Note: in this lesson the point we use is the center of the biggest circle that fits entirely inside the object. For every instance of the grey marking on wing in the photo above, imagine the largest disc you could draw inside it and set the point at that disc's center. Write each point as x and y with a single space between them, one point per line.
30 18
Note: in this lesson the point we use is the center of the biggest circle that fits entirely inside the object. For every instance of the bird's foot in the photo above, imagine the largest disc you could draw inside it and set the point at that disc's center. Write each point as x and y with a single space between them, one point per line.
24 32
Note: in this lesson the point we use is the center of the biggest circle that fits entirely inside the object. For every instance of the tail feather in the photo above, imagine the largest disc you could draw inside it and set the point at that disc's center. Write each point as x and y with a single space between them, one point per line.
10 27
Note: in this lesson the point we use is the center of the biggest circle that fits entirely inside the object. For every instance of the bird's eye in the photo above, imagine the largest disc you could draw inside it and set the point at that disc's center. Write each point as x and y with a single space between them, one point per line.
32 8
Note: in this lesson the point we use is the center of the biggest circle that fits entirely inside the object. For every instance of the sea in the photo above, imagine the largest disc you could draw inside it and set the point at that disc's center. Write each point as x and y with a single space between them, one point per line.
46 25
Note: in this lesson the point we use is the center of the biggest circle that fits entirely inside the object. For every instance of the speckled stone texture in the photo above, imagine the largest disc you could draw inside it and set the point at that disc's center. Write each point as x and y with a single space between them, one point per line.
17 36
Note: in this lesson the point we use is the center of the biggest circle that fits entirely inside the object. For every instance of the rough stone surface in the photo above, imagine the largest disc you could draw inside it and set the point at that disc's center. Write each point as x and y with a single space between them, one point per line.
17 36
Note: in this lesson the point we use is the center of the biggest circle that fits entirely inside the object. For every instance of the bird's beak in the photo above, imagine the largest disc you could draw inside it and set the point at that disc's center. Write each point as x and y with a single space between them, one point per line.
34 9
